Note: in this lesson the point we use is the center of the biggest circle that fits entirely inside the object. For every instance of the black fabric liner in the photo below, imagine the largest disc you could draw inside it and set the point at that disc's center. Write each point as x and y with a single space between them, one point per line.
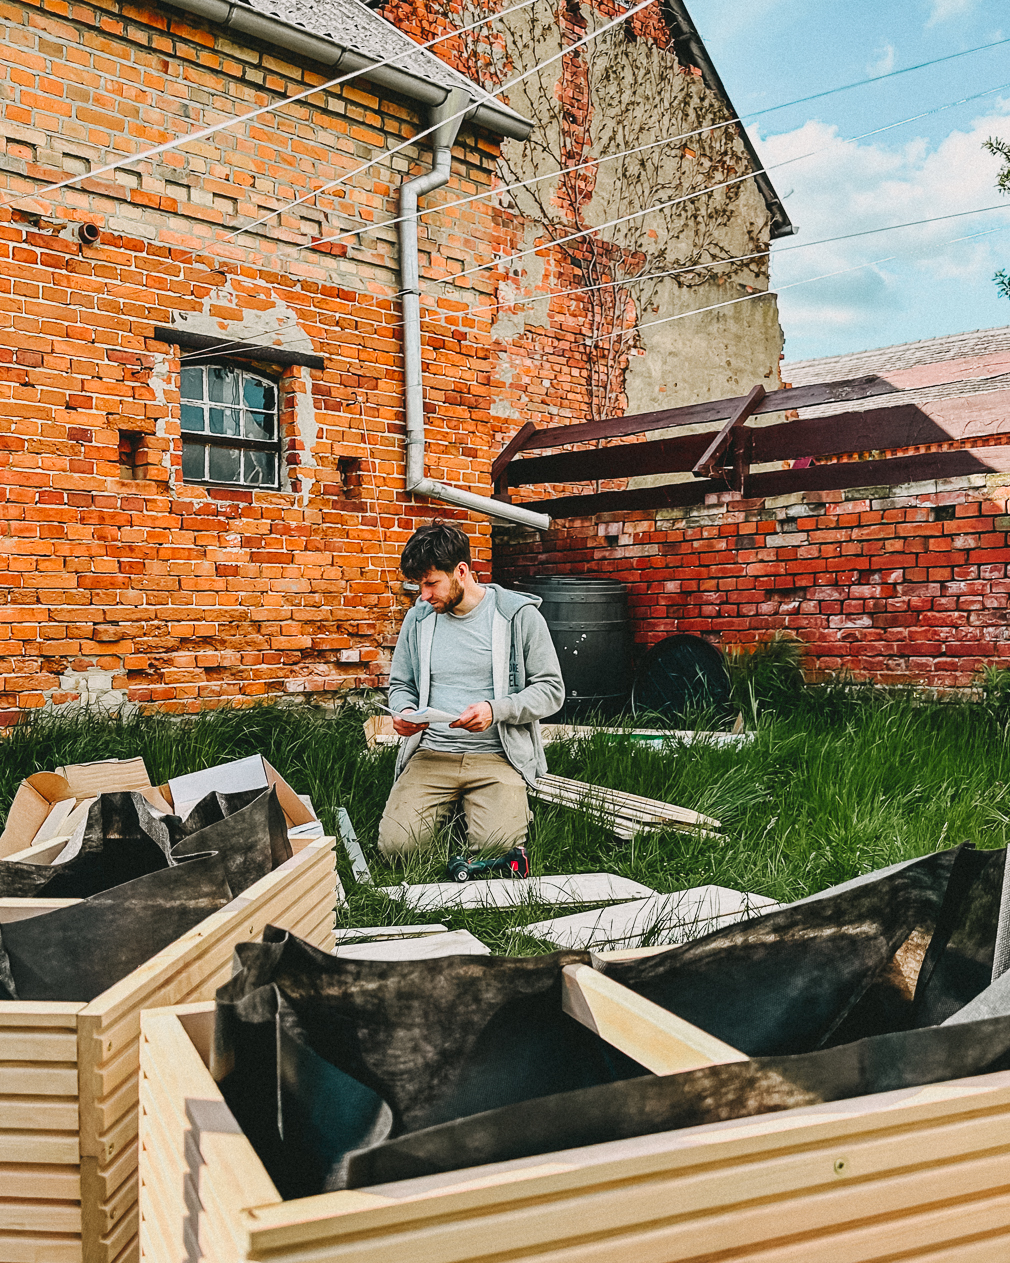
125 839
347 1073
140 891
78 952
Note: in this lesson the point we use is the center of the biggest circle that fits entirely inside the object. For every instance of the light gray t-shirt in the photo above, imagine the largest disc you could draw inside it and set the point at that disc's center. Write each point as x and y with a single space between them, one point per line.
460 675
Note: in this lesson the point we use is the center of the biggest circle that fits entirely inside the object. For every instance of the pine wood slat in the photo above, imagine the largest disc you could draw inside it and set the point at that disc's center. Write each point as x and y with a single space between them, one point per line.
25 1044
45 1147
37 1217
68 1072
648 1034
39 1114
42 1080
47 1184
38 1248
890 472
923 1174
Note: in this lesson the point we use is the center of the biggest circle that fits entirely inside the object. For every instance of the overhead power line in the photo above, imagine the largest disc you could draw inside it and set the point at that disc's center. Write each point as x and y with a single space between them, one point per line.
192 137
809 280
687 197
696 267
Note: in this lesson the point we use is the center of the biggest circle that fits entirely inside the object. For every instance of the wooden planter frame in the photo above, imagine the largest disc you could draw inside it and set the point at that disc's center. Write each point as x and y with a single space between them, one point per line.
922 1173
69 1071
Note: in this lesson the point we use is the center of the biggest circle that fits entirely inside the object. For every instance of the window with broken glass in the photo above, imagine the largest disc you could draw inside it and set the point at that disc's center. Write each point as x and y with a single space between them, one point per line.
230 432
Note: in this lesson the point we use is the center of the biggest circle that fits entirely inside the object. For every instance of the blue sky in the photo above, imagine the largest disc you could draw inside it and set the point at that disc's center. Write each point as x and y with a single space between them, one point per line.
774 51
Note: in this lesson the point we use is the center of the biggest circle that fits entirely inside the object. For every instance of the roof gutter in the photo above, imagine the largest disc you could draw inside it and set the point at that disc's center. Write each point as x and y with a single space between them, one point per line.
242 19
691 51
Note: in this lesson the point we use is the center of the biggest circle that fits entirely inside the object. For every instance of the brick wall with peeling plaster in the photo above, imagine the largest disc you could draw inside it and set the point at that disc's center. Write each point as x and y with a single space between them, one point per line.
179 595
896 585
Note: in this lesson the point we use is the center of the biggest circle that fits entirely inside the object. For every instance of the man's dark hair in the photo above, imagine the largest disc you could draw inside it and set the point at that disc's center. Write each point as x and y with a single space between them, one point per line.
440 545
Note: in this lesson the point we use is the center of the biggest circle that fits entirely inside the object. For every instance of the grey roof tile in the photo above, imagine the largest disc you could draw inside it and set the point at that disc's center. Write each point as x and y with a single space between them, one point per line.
354 25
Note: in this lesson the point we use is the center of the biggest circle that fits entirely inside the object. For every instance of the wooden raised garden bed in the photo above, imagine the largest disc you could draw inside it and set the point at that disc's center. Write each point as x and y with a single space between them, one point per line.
69 1071
921 1173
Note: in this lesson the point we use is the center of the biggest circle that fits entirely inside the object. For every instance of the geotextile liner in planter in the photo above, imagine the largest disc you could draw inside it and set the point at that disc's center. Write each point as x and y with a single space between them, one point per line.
139 891
124 838
76 953
434 1065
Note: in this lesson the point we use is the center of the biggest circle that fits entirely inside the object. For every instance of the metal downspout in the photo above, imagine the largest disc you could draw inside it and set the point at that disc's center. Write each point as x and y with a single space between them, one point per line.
410 294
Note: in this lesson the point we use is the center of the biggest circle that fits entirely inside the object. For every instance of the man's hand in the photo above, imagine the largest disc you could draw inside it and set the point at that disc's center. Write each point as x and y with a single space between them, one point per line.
476 718
403 727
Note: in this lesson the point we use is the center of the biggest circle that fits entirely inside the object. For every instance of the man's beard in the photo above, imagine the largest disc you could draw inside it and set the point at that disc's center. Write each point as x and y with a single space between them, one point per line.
456 592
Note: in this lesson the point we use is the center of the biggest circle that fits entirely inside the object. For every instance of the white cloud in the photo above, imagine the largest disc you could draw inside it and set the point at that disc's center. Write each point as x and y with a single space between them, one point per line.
848 187
884 63
944 9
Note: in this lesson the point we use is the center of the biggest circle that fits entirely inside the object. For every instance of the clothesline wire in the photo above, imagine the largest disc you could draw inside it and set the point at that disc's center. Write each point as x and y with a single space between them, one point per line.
272 108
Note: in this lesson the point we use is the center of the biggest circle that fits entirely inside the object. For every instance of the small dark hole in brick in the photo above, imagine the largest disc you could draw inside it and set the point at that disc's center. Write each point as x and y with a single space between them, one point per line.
944 513
611 540
130 443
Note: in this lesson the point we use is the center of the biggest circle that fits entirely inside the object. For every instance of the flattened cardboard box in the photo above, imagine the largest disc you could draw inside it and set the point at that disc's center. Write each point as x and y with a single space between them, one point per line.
51 804
184 792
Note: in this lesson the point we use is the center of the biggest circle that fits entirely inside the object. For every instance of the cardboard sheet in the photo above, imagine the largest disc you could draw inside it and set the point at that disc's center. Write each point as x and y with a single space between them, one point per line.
505 893
667 919
254 772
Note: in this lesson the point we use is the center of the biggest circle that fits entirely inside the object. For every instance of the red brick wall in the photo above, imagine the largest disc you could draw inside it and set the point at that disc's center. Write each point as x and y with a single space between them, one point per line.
187 595
896 588
180 595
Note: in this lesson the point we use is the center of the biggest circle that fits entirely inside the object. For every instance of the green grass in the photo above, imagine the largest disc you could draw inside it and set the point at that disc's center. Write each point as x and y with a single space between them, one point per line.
840 781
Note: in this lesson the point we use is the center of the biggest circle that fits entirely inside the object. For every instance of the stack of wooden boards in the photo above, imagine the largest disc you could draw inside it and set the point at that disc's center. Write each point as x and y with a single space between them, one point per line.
625 815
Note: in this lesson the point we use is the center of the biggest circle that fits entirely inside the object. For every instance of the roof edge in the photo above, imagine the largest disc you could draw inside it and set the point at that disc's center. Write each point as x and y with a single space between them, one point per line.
690 48
489 113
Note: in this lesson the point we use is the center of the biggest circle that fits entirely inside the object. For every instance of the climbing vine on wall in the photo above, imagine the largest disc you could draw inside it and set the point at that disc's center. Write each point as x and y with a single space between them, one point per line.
624 90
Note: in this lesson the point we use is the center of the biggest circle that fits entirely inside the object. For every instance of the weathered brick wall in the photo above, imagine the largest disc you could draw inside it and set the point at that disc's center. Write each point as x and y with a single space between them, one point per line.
179 595
184 594
896 585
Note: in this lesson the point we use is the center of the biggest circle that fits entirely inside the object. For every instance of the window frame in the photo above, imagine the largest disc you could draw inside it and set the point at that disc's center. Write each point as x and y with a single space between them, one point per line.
205 439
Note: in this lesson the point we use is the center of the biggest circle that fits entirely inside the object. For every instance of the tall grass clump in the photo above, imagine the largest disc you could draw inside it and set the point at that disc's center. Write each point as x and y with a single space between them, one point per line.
767 675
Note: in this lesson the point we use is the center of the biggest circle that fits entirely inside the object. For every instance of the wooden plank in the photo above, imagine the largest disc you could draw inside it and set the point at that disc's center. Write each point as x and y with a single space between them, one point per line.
903 426
30 1113
711 460
39 1248
50 1183
710 411
516 444
635 804
656 1039
39 1217
24 1044
38 1081
837 477
45 1148
40 1013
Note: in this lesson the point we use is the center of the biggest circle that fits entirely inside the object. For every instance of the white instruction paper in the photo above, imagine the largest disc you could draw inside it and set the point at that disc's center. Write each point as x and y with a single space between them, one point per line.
427 716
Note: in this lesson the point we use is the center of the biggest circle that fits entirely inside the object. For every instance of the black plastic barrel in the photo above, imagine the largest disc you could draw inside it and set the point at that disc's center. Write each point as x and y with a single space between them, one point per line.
588 620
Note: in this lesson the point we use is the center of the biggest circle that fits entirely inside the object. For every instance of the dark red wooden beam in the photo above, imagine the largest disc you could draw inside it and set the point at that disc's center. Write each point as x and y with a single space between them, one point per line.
712 411
514 445
906 425
838 477
711 459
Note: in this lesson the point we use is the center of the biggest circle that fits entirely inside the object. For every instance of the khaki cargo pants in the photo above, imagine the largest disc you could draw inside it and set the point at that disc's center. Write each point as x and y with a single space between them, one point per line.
492 792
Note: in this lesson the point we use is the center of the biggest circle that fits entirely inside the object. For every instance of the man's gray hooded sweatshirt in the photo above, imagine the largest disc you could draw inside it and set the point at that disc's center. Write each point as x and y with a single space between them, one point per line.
527 678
